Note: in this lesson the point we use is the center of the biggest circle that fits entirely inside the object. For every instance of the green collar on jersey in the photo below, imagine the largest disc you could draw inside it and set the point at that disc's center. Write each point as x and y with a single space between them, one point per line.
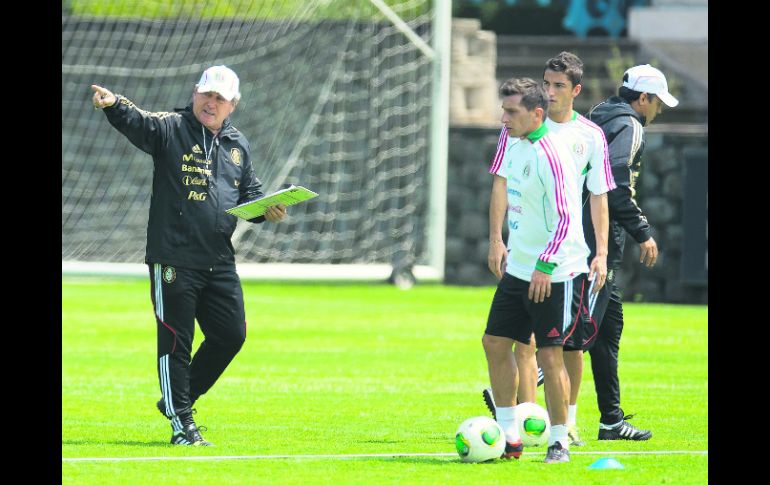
538 134
574 115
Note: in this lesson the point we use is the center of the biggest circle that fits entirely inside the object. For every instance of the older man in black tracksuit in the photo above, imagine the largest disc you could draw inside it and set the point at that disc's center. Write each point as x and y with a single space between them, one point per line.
622 119
202 166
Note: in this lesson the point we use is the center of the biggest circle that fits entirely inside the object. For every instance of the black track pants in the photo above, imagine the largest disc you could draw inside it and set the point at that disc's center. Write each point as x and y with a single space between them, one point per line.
179 297
604 356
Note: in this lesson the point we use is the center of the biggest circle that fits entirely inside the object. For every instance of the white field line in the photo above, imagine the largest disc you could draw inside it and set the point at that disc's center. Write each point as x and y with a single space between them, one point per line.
373 455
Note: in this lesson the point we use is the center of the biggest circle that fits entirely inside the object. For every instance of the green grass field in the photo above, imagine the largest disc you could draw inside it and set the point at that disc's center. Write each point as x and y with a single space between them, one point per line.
362 370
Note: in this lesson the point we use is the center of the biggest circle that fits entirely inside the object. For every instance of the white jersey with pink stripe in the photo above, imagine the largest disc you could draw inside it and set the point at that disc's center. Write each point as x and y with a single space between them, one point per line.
589 150
544 208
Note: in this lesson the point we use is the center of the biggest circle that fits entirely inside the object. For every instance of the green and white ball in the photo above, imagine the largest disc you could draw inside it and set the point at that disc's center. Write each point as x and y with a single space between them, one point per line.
479 439
534 424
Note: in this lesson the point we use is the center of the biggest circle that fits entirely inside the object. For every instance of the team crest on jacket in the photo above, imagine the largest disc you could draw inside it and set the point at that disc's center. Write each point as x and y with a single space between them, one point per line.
169 274
525 173
579 149
235 155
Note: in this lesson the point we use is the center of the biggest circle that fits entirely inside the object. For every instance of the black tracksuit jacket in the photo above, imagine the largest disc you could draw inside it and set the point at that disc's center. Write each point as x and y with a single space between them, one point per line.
188 226
623 128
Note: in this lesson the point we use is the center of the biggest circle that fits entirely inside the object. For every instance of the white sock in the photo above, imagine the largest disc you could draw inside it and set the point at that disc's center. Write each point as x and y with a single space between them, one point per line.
506 417
559 433
572 415
609 426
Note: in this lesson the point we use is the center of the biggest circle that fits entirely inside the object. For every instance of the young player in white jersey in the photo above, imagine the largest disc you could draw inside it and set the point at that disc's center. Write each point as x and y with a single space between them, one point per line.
535 188
561 80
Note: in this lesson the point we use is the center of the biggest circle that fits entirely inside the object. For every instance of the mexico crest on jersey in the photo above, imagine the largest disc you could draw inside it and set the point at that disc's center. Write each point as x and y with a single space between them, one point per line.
579 149
235 155
525 172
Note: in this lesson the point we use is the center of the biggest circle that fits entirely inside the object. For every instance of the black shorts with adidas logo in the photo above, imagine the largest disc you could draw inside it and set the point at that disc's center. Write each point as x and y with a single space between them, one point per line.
515 316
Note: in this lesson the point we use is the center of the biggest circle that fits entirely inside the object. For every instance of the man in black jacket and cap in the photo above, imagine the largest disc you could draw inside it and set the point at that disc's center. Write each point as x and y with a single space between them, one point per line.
640 99
202 167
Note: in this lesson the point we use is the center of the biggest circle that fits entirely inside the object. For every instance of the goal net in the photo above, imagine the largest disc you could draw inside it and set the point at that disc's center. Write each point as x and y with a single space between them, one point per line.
336 96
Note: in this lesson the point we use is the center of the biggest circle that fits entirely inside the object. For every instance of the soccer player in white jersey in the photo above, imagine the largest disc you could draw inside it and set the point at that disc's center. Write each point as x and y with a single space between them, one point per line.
545 261
561 80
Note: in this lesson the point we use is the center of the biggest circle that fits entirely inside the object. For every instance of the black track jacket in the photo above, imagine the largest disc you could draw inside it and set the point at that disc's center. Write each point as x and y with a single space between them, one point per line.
188 226
623 128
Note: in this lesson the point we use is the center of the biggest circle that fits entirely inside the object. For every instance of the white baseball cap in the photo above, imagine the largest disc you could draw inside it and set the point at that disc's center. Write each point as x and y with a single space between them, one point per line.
647 79
220 79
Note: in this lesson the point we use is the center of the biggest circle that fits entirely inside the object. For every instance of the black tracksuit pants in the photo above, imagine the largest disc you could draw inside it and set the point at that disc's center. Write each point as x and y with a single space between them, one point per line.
179 297
608 311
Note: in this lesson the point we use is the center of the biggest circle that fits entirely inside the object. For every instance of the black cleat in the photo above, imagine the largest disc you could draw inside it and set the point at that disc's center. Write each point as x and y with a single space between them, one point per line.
625 431
490 402
513 450
190 436
183 429
556 454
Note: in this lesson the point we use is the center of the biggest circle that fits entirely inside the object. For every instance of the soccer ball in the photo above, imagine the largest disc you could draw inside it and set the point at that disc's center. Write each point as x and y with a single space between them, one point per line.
534 424
479 439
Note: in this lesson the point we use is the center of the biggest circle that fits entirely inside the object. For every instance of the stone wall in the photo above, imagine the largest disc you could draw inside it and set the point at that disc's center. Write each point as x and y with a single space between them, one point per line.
659 193
473 87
